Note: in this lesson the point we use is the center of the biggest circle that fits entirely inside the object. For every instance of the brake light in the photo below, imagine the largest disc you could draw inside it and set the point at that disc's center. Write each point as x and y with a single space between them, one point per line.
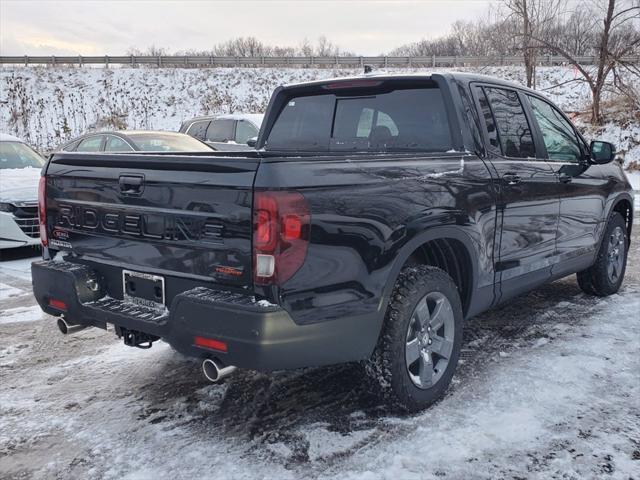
281 223
42 210
352 84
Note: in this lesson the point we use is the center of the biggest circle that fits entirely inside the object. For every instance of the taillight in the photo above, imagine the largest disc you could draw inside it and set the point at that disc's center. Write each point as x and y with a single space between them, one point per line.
42 210
281 223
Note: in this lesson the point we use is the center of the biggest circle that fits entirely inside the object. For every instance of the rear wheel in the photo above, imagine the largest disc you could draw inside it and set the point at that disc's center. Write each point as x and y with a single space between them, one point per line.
420 342
605 276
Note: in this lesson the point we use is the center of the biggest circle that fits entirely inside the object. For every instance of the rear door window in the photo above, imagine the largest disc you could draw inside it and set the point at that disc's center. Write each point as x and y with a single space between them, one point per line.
405 119
221 130
514 133
91 144
199 129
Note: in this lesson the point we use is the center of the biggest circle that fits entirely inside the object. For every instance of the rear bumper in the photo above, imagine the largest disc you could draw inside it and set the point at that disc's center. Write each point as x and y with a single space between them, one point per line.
258 337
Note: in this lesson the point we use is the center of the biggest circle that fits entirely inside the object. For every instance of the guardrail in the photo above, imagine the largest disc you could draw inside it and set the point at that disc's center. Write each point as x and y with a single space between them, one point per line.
211 61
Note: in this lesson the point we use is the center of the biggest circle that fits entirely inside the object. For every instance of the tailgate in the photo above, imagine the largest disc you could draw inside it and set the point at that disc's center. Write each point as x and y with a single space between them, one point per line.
177 215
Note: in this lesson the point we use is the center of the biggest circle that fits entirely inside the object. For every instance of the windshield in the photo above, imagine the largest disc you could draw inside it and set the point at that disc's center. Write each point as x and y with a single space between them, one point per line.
158 142
18 155
410 119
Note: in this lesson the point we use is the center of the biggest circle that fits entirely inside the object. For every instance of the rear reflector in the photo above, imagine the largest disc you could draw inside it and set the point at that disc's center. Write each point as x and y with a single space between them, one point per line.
210 343
57 304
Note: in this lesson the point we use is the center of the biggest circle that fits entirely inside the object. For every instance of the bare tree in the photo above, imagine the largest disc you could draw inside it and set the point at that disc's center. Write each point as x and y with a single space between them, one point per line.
576 34
534 19
616 37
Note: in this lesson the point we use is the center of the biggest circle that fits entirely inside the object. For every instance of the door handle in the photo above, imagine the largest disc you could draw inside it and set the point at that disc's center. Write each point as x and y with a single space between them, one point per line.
511 178
131 185
565 178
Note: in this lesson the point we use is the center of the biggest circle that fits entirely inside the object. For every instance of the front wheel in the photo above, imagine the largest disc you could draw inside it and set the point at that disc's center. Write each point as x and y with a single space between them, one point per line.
605 276
420 342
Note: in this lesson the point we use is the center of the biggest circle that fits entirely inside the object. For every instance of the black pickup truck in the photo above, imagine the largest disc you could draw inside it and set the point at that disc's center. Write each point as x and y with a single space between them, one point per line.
376 214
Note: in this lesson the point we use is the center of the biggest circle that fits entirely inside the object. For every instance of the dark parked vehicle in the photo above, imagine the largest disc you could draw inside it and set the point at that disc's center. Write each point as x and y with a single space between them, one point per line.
230 132
377 215
136 141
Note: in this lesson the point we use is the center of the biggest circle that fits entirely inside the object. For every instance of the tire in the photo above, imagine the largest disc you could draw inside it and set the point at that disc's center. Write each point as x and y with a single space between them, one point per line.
605 276
412 334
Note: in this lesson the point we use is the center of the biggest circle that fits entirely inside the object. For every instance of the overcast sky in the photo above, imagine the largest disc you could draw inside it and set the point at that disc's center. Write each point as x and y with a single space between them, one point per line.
99 27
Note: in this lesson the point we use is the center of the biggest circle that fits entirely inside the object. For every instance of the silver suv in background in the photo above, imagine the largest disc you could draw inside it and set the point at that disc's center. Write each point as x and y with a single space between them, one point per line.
225 132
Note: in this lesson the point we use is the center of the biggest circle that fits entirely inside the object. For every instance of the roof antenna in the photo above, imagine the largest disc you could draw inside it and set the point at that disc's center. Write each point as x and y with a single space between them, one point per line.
368 69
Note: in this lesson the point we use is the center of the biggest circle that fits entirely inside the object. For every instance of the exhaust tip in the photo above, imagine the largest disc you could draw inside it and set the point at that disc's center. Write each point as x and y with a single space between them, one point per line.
67 328
211 370
62 326
214 371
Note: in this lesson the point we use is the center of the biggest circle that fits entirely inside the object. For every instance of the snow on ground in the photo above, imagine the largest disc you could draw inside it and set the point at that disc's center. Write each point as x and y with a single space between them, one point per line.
7 291
21 314
548 387
19 267
634 180
49 106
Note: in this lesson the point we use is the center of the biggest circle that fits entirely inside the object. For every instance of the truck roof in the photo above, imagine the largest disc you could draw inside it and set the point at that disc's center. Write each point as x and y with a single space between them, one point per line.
460 76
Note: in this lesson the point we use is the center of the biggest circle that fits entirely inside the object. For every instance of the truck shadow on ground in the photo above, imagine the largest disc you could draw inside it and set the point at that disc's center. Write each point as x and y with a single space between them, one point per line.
280 406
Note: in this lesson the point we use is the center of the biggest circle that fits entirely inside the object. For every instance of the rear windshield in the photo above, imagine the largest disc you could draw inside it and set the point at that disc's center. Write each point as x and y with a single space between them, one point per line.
411 119
158 142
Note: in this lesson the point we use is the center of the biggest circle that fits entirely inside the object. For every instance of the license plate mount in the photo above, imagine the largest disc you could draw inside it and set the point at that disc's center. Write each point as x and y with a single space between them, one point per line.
144 289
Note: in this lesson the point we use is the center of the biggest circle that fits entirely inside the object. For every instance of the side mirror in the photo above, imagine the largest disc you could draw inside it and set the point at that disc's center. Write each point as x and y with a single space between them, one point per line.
602 152
252 142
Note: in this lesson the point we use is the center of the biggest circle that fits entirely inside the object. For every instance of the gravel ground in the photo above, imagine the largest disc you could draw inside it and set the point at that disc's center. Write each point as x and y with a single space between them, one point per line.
548 387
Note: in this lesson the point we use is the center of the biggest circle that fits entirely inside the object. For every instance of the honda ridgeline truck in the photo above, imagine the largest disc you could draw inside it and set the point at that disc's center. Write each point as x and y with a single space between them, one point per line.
376 214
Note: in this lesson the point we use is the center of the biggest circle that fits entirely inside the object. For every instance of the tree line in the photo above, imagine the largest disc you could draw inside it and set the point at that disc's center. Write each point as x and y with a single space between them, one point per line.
252 47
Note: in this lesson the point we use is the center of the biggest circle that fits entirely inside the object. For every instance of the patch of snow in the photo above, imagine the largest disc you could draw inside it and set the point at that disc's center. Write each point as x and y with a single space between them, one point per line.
8 138
325 443
21 314
634 180
19 184
264 303
459 171
20 268
7 291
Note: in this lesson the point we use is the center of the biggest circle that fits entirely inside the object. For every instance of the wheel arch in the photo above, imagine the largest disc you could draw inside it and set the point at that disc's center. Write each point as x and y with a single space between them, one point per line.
623 205
448 248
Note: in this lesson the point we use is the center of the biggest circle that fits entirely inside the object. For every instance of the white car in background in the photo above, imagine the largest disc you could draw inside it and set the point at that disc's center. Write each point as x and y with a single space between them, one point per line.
20 167
229 132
